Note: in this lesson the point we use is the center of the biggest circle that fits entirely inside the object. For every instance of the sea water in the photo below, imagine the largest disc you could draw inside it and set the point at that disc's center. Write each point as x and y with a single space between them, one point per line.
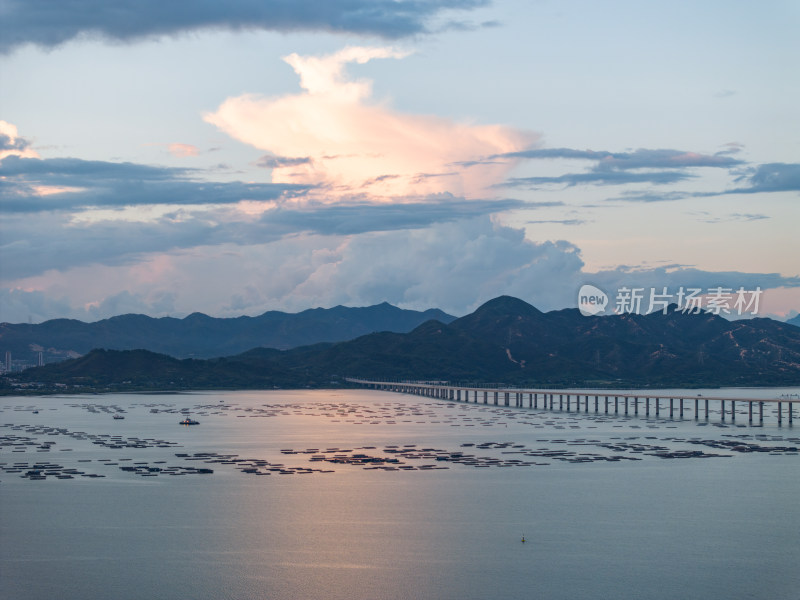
435 506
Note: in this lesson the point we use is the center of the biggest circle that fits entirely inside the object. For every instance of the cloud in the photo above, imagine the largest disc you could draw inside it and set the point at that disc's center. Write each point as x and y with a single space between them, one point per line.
707 217
13 145
771 177
57 241
183 150
348 219
763 179
49 23
453 265
599 178
33 185
278 162
642 158
559 221
655 166
350 139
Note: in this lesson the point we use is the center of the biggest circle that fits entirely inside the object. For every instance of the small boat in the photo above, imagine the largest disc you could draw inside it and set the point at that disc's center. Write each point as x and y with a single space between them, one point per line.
189 421
118 416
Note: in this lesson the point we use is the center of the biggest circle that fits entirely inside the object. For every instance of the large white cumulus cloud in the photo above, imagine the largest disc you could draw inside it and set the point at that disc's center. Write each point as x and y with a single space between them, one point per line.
454 266
334 134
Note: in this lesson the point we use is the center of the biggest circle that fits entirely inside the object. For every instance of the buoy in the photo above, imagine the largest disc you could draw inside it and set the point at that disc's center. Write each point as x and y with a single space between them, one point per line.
523 539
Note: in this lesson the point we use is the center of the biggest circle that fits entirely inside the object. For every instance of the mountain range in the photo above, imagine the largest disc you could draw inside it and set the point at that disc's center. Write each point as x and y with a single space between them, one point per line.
201 336
505 341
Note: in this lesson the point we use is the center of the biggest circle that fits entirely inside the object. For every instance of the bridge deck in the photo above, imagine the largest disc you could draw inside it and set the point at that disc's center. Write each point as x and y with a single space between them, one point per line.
581 399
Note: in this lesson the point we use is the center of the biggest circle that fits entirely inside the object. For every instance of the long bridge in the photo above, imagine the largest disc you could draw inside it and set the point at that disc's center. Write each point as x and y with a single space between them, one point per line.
629 403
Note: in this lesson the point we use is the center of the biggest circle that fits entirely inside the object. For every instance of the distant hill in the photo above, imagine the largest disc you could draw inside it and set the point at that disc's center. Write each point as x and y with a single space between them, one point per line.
795 321
505 341
201 336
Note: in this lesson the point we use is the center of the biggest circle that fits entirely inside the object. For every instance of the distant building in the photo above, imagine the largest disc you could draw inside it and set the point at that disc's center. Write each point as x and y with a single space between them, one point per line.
8 361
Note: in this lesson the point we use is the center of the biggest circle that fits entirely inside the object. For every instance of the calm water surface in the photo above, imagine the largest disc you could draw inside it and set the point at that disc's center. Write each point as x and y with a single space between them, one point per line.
611 507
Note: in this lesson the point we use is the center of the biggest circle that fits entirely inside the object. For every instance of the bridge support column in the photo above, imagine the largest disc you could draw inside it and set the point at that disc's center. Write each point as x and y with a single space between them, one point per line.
671 408
789 408
596 402
706 408
616 405
496 398
696 408
681 407
486 397
647 407
636 405
760 412
780 413
749 412
722 408
733 410
606 398
658 408
561 402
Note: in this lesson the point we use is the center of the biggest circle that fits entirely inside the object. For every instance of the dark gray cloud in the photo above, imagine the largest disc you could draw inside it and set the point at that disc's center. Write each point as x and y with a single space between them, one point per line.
53 240
763 179
49 23
276 162
559 221
107 184
770 177
609 177
7 143
656 166
348 219
706 217
642 158
650 196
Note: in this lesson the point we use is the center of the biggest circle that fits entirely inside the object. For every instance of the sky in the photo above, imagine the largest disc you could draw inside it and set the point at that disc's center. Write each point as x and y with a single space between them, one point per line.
231 158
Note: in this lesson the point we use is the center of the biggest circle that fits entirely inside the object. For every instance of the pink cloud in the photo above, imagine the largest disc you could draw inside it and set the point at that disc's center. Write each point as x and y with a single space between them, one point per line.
358 145
183 150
